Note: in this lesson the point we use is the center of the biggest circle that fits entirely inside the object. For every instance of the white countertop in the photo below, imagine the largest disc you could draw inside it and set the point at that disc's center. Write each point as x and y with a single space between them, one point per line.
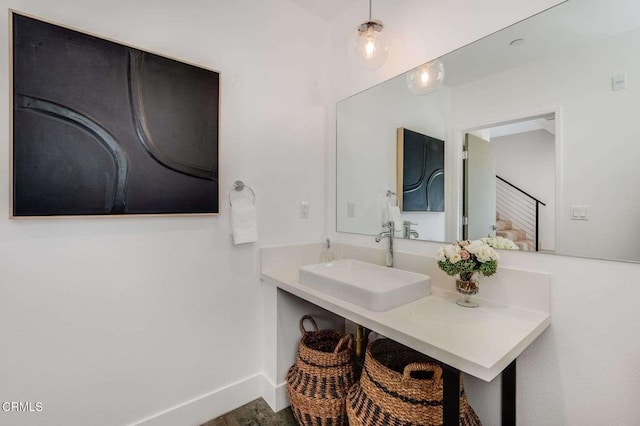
477 341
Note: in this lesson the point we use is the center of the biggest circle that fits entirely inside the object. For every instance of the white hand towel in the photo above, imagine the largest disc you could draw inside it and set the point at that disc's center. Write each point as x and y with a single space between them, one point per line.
244 226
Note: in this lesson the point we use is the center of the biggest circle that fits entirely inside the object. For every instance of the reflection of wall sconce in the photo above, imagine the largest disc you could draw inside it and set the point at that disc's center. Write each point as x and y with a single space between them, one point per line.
426 78
371 49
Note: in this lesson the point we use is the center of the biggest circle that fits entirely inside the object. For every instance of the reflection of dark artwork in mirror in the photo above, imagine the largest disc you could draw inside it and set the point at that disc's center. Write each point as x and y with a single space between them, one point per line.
420 172
100 128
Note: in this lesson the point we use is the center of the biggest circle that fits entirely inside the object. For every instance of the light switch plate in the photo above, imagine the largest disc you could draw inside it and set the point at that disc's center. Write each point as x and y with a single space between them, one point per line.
579 213
304 209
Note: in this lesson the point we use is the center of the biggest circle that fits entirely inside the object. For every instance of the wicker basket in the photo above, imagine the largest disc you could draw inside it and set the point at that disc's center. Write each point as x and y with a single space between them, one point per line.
401 386
318 383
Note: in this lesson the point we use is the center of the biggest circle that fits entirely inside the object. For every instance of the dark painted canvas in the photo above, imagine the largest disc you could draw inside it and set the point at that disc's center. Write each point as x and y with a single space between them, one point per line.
422 173
100 128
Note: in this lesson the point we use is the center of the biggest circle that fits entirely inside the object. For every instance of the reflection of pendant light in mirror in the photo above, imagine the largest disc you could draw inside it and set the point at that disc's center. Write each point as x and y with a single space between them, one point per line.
371 48
426 78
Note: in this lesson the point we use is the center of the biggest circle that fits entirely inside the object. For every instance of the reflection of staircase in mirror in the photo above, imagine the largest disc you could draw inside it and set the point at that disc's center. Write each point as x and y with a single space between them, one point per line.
517 215
506 229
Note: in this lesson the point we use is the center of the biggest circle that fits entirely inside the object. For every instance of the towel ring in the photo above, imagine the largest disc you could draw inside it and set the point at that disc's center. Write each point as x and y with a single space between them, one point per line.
239 186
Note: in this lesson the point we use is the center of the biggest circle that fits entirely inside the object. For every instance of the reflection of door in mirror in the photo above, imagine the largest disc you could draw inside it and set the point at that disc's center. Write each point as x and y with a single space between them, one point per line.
480 188
513 165
420 169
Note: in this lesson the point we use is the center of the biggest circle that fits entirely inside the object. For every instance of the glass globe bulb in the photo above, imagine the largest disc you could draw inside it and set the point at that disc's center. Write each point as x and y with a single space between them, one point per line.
426 78
370 48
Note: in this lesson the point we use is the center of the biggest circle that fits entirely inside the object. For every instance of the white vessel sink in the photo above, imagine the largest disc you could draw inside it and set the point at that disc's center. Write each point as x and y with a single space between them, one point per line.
370 286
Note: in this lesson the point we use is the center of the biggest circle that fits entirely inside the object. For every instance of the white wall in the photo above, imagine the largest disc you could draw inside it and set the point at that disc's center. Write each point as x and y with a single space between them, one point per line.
584 369
109 321
528 160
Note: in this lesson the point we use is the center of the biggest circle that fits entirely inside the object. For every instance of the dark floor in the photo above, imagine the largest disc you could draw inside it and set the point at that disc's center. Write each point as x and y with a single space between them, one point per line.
255 413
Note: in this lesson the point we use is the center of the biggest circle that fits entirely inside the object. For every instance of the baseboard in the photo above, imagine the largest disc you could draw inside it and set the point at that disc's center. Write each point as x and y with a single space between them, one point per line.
210 405
275 395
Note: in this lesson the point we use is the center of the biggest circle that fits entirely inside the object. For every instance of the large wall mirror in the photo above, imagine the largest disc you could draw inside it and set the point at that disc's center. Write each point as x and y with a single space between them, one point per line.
546 111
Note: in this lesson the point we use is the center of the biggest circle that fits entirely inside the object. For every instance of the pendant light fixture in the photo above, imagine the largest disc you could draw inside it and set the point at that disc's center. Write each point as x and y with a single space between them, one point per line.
371 49
426 78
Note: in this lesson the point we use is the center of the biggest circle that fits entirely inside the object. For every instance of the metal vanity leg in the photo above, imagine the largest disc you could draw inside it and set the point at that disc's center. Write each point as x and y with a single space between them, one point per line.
360 348
509 395
451 396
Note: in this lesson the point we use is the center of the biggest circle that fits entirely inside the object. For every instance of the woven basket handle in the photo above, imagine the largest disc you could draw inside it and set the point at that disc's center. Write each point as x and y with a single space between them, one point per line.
422 366
347 340
313 323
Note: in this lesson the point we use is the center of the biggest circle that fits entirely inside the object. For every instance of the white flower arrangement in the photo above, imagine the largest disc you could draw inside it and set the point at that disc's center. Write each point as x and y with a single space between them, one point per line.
465 258
500 243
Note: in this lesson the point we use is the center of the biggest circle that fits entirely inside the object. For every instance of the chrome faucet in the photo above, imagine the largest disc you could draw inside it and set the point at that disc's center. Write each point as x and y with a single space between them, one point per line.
407 232
389 233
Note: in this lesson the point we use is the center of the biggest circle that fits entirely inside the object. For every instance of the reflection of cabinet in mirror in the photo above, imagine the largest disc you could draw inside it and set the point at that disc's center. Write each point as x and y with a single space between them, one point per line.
420 172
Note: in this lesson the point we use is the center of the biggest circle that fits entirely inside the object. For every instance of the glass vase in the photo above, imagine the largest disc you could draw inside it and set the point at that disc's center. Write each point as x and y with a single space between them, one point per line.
467 285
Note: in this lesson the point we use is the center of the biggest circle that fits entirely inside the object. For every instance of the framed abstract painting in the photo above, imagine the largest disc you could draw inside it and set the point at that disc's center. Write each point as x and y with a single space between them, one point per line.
101 128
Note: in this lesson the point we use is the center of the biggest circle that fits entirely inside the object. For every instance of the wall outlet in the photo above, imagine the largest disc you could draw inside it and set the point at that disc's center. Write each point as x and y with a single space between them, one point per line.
579 213
304 210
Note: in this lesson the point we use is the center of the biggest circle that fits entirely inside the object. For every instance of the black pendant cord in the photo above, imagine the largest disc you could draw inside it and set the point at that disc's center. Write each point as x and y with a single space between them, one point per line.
370 10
